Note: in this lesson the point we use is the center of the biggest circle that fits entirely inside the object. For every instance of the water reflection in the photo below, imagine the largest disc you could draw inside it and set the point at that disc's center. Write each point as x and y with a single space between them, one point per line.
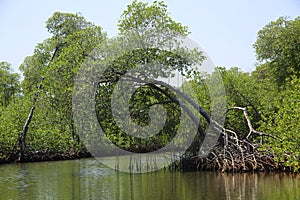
86 179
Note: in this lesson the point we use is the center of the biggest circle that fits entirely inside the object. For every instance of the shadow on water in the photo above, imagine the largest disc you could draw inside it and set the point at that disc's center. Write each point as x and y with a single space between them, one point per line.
87 179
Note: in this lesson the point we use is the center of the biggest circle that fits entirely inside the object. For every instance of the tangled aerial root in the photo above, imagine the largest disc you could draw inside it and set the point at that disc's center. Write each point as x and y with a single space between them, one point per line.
232 154
230 159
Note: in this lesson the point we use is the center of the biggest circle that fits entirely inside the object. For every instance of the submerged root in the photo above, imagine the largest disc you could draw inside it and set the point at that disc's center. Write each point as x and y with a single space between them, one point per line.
233 154
228 160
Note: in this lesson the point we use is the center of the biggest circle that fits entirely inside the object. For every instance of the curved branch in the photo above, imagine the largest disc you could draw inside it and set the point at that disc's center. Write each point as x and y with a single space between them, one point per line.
251 129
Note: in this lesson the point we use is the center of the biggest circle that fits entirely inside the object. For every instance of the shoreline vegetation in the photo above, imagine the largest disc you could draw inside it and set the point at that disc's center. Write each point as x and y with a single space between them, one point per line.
260 130
242 156
231 155
219 163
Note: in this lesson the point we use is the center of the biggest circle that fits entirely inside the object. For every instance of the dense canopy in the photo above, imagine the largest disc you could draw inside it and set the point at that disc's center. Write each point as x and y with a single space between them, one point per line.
263 107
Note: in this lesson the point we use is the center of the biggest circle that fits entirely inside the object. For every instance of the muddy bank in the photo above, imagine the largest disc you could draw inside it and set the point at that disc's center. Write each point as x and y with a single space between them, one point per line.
40 156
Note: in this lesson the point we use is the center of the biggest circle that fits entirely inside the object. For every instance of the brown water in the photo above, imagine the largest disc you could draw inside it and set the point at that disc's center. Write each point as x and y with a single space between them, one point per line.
87 179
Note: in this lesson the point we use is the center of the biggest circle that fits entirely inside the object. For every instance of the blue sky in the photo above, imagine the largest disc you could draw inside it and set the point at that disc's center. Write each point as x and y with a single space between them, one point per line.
226 30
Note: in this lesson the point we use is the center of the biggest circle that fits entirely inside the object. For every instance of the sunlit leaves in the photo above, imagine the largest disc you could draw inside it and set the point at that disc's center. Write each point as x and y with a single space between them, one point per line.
284 124
278 45
9 84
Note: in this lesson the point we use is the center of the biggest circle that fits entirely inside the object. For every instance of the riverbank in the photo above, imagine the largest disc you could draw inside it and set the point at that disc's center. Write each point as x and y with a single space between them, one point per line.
219 163
40 156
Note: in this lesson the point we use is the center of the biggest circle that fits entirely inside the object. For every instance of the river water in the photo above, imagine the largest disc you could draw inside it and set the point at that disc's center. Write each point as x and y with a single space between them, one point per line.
87 179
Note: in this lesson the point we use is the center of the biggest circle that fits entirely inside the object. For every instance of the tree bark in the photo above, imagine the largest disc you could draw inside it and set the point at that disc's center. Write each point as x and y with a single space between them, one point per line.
22 138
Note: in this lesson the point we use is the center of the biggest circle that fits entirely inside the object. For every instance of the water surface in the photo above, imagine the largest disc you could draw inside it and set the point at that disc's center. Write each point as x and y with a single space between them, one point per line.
87 179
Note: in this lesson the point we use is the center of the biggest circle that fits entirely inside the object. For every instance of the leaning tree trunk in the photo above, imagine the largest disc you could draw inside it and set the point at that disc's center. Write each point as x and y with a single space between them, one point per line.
231 153
22 137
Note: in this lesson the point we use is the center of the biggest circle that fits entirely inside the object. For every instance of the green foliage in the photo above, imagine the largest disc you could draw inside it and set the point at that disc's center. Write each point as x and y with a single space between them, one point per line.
73 39
9 84
141 102
141 17
143 98
141 23
61 25
270 93
12 120
278 46
284 124
10 105
242 90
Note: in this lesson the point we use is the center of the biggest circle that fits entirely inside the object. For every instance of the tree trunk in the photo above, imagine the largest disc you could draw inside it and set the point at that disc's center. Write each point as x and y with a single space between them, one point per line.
22 137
